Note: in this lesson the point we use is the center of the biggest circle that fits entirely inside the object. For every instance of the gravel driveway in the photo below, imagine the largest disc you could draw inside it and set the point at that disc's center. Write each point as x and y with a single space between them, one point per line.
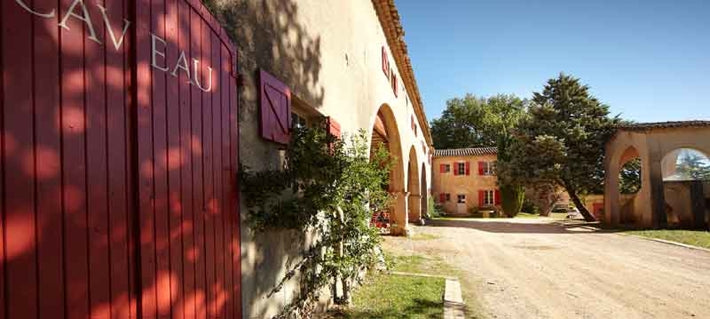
538 268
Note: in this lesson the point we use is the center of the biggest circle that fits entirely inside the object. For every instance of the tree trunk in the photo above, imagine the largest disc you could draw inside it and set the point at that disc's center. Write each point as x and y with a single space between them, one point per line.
578 203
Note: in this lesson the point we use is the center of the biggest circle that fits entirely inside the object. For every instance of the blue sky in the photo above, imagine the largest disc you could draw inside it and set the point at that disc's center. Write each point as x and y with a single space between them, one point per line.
648 59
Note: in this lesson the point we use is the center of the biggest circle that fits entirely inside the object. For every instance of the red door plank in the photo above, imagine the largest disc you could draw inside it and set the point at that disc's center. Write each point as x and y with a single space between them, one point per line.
2 175
197 177
117 154
208 158
19 161
173 160
188 304
74 168
96 168
162 236
145 163
49 208
132 176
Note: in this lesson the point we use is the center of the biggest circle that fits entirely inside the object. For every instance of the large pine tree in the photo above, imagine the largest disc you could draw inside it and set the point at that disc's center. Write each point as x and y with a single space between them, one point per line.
562 140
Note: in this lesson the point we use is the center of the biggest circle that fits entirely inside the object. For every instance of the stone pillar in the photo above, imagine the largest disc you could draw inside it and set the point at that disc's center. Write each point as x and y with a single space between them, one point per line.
697 202
415 207
658 201
399 218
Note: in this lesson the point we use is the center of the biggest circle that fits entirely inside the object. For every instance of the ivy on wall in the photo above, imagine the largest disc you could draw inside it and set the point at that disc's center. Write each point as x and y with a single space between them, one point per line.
329 187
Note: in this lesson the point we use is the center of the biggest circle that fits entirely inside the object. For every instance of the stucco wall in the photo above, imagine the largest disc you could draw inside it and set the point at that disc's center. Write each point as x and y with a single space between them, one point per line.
461 184
329 54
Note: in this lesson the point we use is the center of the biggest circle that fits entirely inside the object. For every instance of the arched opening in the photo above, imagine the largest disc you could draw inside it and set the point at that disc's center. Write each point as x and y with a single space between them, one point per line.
414 198
686 187
424 193
630 183
386 134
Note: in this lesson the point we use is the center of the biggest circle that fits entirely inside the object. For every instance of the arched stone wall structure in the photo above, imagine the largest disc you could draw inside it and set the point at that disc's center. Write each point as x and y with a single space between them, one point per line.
385 131
414 195
650 142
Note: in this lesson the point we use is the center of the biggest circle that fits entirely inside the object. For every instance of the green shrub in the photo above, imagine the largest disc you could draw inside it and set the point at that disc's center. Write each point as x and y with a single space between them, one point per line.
433 210
529 207
439 210
511 199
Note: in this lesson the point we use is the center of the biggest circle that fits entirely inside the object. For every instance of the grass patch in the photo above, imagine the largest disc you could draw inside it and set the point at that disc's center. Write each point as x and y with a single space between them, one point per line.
392 296
436 266
421 265
698 238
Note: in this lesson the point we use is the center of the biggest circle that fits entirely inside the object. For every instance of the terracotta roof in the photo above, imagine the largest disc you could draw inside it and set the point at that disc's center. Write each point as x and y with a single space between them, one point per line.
471 151
659 125
392 26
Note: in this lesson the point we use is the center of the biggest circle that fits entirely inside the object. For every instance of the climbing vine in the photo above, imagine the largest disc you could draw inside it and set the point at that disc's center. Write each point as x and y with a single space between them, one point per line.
328 187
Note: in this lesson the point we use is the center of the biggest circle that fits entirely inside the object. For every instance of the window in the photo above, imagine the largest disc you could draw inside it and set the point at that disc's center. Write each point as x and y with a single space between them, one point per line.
448 197
298 121
488 198
302 114
461 168
461 199
447 168
487 168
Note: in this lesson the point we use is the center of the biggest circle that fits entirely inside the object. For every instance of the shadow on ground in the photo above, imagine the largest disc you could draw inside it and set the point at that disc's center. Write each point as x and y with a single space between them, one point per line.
532 227
427 309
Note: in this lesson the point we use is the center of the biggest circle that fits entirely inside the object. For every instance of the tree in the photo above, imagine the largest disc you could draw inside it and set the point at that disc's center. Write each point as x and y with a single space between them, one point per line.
505 112
482 122
475 121
693 165
562 140
544 195
630 177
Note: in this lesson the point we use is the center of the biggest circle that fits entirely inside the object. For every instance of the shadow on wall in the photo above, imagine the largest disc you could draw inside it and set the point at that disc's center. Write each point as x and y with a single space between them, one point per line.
269 36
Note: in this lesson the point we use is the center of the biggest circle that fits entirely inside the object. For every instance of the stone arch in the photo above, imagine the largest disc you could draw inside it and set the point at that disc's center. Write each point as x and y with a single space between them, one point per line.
624 208
627 198
670 158
385 132
414 211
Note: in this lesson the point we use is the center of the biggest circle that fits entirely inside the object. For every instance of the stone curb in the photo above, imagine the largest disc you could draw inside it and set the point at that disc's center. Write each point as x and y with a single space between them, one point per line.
453 302
674 243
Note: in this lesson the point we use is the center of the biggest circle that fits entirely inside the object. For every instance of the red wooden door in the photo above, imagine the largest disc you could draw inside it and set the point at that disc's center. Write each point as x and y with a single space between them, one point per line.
118 156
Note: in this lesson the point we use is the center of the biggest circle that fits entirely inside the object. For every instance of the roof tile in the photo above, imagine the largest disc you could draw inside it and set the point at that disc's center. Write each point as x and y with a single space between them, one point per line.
471 151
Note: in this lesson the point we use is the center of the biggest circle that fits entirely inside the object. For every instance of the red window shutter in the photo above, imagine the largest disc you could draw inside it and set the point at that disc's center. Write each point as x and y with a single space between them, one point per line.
385 63
275 109
333 127
497 197
481 197
442 198
468 168
442 168
480 168
394 84
455 168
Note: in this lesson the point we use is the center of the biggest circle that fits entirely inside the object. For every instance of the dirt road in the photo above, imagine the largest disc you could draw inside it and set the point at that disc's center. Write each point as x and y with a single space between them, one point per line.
537 269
